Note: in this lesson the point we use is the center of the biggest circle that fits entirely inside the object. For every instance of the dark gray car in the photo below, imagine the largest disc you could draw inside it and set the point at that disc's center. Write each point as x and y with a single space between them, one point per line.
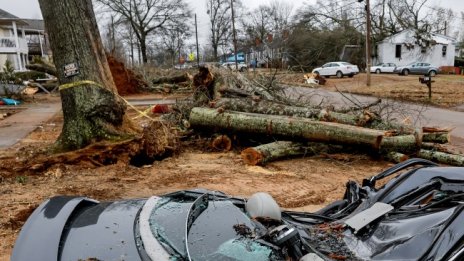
416 215
418 68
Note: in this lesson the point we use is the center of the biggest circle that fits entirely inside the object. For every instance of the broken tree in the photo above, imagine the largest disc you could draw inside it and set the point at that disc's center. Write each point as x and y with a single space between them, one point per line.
91 108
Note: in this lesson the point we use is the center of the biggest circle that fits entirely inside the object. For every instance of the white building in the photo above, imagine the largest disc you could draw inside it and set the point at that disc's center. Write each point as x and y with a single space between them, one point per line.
13 43
404 48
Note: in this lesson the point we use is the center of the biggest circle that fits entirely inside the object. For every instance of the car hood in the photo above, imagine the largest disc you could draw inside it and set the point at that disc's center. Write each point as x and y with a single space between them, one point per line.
76 228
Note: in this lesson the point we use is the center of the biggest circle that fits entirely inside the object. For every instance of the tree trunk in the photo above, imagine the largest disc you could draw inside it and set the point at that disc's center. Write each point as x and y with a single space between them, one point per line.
185 77
143 49
262 154
396 157
292 128
441 157
273 108
91 109
437 137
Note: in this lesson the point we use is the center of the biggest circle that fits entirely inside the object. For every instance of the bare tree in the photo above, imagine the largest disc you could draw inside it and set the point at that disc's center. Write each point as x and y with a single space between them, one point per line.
220 23
173 40
146 16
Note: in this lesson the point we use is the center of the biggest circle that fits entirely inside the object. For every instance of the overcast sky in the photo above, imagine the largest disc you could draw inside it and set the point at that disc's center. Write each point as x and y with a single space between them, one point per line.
30 9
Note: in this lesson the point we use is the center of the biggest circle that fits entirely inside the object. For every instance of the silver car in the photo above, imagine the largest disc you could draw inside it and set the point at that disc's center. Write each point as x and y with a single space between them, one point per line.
417 68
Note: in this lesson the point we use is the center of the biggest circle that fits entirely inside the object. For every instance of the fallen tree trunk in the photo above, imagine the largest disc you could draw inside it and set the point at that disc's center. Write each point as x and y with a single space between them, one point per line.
266 107
173 79
262 154
404 143
441 157
396 157
437 137
273 108
294 128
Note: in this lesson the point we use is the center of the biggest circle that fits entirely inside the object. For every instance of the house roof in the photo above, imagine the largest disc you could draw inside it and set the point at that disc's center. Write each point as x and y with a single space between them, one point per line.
439 38
35 24
7 17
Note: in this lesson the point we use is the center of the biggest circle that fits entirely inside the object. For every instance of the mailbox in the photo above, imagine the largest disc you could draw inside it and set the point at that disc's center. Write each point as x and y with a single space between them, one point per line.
425 79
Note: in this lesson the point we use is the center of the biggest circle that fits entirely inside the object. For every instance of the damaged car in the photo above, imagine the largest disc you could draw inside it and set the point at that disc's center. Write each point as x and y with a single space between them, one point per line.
411 211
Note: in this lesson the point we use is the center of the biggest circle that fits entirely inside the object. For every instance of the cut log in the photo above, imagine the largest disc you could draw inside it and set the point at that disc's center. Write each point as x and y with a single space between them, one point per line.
266 107
222 143
441 157
396 157
272 151
404 143
204 86
292 128
173 79
437 137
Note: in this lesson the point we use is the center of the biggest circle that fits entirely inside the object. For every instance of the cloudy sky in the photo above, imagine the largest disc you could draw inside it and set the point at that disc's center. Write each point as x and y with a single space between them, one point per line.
30 9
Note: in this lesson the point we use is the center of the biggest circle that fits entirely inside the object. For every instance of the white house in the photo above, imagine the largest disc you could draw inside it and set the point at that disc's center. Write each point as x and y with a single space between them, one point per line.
404 48
13 44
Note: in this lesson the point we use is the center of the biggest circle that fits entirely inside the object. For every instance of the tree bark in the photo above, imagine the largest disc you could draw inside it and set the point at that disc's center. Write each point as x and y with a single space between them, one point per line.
396 157
262 154
403 144
292 128
437 137
273 108
441 157
91 109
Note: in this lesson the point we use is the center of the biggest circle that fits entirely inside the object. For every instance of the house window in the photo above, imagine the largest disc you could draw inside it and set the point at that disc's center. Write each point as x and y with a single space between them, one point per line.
443 50
398 51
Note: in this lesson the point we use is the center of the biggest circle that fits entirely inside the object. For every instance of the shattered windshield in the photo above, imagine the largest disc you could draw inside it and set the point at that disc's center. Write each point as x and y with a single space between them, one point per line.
213 235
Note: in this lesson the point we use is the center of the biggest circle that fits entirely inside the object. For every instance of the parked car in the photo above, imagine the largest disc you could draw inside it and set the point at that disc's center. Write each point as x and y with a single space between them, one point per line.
418 68
383 68
231 65
416 215
338 69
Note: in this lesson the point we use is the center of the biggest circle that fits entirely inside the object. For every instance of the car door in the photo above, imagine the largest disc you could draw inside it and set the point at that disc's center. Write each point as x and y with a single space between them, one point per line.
415 68
424 69
388 67
325 69
334 68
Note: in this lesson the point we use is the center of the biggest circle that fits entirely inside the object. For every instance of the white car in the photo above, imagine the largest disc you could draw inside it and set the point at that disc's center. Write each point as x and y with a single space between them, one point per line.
231 65
338 69
383 68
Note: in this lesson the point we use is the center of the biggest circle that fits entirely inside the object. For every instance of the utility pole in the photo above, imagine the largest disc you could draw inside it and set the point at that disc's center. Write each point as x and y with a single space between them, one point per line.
233 33
368 42
196 36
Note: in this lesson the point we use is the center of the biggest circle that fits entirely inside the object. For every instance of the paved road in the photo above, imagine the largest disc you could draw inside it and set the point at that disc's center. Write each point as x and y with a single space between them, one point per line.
419 114
19 125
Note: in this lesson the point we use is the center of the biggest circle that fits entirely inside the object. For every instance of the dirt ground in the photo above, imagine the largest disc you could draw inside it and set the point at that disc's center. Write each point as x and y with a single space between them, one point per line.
302 183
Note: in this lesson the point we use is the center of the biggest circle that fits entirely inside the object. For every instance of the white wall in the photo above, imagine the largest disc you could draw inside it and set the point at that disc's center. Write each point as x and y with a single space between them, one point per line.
433 55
